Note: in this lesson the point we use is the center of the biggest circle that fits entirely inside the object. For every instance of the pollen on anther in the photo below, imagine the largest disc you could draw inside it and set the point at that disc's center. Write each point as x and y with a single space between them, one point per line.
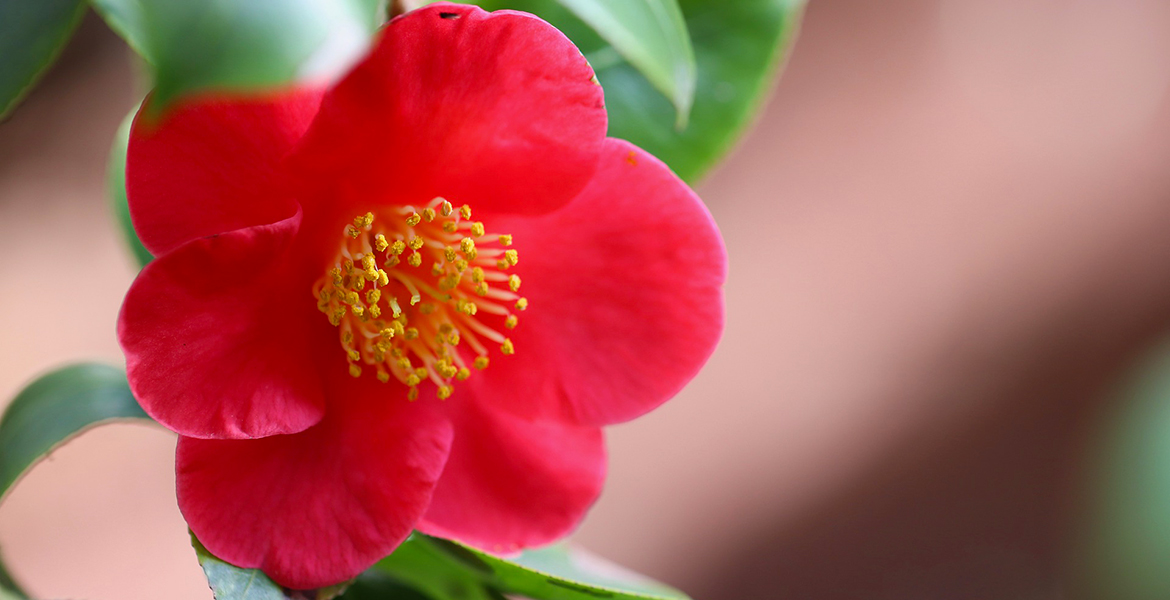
458 285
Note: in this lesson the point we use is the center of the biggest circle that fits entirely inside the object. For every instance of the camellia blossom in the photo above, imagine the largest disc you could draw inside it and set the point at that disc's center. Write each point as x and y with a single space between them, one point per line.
410 300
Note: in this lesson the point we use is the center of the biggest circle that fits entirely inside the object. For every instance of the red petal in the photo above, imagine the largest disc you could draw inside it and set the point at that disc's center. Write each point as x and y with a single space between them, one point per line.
511 483
497 110
626 297
318 507
208 166
214 338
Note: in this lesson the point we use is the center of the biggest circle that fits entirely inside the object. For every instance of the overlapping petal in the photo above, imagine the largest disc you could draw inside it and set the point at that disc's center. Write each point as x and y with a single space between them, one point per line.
626 297
210 165
214 345
499 110
318 507
511 483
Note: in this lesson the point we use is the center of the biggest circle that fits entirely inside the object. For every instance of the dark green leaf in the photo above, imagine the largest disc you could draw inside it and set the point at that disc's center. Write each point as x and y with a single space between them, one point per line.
32 34
653 37
240 44
739 47
448 570
50 411
116 184
373 585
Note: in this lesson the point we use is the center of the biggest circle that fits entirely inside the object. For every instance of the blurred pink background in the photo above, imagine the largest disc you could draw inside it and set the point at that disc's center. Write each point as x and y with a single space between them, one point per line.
948 236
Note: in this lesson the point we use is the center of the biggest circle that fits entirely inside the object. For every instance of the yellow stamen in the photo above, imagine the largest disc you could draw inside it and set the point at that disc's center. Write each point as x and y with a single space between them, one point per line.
433 339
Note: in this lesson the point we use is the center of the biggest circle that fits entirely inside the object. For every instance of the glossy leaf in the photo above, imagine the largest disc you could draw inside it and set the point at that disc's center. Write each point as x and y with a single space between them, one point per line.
739 46
52 410
241 44
448 570
32 34
653 37
116 186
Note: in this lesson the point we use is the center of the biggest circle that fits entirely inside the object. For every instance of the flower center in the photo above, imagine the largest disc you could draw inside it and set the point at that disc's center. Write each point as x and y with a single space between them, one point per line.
407 294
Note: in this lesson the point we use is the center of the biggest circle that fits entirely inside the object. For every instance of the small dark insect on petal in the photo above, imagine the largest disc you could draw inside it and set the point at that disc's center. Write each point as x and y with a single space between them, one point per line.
447 15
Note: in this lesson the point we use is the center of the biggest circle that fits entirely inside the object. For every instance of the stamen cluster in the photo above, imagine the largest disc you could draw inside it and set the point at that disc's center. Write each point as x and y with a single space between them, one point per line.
406 295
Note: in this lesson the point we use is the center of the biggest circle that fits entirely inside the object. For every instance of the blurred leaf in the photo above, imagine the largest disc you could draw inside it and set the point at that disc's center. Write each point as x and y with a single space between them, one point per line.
9 590
739 46
653 37
52 410
116 184
373 585
32 34
448 570
241 44
1126 545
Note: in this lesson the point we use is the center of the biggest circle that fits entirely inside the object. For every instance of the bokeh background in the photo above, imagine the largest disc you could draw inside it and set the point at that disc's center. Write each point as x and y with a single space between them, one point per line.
949 246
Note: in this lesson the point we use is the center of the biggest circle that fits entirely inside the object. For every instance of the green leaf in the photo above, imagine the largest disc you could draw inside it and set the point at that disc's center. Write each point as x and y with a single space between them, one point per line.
32 34
739 46
55 408
448 570
240 44
373 585
52 410
116 184
229 582
653 37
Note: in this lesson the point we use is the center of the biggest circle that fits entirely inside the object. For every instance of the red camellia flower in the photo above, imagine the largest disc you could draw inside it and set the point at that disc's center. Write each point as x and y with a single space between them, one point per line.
408 301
